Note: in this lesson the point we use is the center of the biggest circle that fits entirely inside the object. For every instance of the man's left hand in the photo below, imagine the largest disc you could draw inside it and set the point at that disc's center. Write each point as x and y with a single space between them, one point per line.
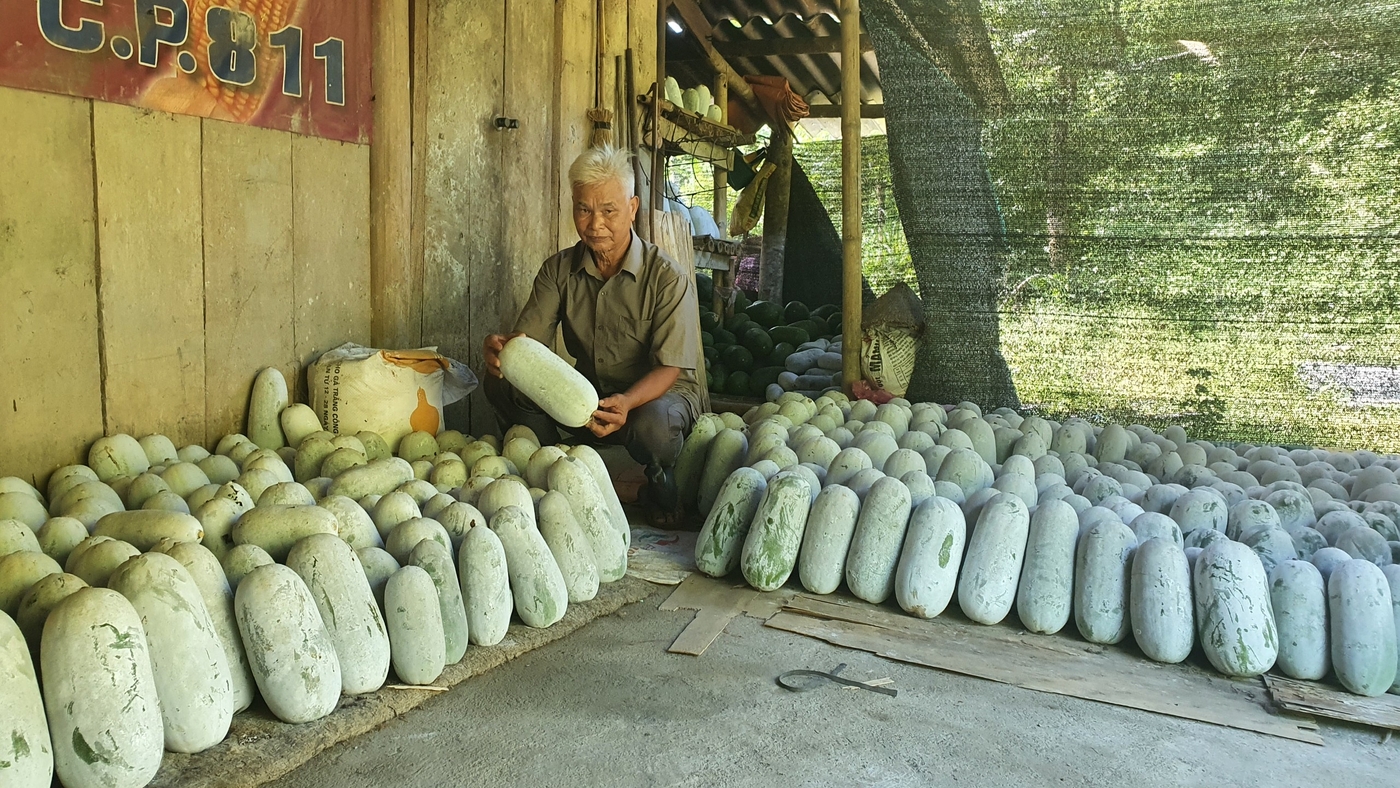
610 416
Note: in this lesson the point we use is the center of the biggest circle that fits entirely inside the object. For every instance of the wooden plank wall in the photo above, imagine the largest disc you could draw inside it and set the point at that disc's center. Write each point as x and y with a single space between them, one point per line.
151 264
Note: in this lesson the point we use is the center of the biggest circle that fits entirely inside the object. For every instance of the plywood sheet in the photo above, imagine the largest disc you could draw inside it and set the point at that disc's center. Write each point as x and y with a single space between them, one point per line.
330 243
152 266
463 188
248 281
1058 665
50 373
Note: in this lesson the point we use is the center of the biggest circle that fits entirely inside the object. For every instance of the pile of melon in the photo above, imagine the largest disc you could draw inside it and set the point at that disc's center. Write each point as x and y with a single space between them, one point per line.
1261 557
158 591
748 353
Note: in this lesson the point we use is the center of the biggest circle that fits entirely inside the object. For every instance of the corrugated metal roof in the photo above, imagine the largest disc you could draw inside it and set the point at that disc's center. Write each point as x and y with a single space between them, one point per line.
815 77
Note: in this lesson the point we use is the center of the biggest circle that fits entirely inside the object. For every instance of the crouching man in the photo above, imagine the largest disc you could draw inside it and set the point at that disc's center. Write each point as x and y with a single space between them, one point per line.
629 317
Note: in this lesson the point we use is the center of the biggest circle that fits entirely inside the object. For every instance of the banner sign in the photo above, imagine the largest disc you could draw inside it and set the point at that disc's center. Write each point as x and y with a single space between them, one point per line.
297 65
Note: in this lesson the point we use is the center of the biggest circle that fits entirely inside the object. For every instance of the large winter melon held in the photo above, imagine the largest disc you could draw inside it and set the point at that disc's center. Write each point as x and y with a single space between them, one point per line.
548 380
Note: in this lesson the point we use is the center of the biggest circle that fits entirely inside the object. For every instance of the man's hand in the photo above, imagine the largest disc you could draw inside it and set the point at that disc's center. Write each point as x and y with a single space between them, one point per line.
610 416
492 351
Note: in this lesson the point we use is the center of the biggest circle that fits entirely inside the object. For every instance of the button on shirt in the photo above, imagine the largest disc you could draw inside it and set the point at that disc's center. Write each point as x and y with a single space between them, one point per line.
619 329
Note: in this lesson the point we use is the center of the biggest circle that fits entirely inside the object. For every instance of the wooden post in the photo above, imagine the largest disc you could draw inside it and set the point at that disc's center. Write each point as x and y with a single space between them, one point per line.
775 216
850 192
396 284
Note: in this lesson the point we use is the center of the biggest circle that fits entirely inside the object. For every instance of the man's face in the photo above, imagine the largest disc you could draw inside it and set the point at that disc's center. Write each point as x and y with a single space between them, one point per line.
603 215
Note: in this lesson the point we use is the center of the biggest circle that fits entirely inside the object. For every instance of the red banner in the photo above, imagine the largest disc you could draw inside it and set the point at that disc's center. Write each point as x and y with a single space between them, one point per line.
297 65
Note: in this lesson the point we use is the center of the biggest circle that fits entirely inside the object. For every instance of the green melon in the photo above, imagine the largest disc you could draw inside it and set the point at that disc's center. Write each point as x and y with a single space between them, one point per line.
724 338
708 320
718 375
765 313
758 342
795 311
825 311
737 384
737 357
704 287
815 327
780 353
791 335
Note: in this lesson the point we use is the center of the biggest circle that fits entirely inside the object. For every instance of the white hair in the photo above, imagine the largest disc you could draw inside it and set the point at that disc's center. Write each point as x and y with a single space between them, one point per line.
606 163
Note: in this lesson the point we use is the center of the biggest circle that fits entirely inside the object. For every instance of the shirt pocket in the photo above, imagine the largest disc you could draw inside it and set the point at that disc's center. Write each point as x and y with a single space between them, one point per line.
626 344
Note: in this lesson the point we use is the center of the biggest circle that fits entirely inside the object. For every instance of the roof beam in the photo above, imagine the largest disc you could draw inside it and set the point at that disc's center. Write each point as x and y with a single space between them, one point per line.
834 111
695 20
769 47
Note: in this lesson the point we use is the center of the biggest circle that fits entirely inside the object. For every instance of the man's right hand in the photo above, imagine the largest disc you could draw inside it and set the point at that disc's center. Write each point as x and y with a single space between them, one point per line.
492 351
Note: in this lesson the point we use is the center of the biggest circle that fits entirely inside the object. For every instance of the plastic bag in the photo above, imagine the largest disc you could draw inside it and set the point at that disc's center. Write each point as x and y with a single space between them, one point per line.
750 206
391 392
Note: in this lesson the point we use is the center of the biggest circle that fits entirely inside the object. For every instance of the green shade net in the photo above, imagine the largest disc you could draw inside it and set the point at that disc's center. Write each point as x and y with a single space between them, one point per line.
1201 204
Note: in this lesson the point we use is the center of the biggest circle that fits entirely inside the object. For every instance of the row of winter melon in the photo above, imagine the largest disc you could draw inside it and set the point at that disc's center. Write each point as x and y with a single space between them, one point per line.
864 527
286 523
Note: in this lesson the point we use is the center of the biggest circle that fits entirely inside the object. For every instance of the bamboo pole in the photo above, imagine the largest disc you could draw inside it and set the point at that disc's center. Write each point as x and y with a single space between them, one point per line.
850 192
721 208
658 157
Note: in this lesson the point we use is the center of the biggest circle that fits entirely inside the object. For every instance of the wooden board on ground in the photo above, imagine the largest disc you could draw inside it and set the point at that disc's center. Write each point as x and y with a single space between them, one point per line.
331 246
248 283
50 380
1310 697
1058 665
717 602
152 266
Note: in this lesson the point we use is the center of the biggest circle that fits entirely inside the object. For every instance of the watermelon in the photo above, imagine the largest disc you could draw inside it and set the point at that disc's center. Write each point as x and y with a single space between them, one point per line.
723 337
737 357
704 287
708 320
791 335
781 351
758 342
737 384
765 313
795 311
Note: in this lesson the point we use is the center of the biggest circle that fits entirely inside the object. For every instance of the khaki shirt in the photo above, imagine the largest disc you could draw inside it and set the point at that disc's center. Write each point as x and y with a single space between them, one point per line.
646 316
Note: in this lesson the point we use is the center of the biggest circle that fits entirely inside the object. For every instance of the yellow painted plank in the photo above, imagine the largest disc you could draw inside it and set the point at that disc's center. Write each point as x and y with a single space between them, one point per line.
248 281
50 376
152 267
463 188
331 248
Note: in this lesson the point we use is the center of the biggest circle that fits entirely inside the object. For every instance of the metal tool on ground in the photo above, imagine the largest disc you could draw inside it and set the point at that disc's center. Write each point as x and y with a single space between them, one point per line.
793 680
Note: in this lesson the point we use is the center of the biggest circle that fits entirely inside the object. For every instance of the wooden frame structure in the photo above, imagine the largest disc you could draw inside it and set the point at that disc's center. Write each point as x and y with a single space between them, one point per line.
850 44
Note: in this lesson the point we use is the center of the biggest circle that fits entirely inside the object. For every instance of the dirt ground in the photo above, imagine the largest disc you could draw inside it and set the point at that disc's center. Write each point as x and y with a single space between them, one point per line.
608 706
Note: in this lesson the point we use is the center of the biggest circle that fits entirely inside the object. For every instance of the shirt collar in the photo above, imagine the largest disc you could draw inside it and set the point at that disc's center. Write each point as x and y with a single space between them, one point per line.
632 263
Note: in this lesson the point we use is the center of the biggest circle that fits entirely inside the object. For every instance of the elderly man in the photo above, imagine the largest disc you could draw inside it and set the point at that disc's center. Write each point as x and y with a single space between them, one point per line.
629 316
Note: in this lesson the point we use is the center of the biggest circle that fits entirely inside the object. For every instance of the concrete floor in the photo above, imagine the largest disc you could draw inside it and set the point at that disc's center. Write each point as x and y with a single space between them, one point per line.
608 706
